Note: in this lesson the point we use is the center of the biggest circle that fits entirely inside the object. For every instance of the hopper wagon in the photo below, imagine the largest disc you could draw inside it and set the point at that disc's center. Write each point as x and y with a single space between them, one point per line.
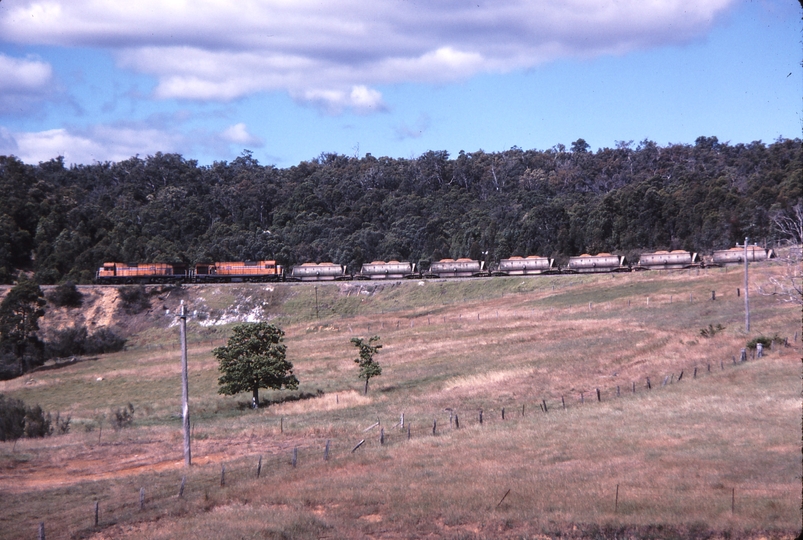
238 271
451 268
525 266
387 270
735 255
667 260
325 271
600 263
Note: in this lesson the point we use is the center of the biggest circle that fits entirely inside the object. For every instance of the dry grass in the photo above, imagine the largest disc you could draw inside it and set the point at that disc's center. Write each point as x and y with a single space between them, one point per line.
677 452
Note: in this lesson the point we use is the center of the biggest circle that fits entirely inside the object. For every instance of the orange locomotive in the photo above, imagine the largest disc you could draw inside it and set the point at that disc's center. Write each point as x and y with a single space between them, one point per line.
122 273
238 271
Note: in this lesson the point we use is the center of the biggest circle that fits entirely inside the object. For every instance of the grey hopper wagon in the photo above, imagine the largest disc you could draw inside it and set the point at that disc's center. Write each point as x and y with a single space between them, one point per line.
324 271
668 260
525 266
735 255
600 263
387 270
450 268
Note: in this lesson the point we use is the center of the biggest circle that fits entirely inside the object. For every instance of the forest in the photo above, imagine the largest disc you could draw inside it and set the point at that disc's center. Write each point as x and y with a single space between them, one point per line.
60 223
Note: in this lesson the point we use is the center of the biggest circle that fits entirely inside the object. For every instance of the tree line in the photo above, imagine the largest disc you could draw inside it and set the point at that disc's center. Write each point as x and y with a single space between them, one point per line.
60 223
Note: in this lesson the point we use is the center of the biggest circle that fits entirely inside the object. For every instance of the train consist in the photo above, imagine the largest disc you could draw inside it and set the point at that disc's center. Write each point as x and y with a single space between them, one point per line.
266 271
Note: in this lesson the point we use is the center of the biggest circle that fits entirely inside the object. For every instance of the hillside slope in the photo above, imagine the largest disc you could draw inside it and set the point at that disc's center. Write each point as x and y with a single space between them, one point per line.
708 448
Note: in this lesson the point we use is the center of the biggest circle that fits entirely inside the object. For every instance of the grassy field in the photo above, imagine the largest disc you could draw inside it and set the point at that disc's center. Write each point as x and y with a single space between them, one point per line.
710 449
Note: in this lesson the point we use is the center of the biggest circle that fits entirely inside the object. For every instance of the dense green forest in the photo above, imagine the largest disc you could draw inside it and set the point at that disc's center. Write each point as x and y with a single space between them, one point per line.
60 223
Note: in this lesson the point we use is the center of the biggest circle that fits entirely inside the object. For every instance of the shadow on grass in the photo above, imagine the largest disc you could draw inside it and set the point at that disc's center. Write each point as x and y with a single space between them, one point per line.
242 405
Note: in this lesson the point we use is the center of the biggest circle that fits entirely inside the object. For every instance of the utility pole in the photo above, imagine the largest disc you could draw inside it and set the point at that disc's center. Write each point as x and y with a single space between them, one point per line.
185 386
316 301
746 290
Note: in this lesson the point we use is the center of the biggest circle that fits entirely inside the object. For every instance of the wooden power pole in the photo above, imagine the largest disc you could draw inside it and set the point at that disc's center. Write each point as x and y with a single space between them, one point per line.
185 387
746 291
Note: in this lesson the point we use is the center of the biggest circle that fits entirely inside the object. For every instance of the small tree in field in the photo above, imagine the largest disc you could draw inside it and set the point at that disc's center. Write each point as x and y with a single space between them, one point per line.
254 358
368 366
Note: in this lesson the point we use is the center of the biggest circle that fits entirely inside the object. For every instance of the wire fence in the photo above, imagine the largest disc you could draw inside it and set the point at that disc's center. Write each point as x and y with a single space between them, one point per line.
150 497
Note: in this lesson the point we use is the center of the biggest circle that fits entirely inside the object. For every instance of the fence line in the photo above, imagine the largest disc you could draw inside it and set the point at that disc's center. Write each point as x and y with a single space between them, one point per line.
157 497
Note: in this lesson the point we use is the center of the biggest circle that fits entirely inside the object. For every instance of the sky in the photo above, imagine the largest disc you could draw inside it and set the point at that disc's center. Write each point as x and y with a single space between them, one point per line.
289 80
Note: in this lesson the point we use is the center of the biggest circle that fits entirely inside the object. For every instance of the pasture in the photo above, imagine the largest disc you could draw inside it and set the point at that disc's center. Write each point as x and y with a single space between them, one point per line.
711 448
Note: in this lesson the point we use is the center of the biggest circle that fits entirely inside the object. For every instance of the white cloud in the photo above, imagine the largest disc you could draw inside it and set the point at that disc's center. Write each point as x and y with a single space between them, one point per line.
98 143
335 53
23 82
238 134
23 75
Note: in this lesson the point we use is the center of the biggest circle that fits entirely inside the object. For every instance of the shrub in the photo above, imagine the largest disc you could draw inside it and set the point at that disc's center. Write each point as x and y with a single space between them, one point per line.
17 420
711 331
764 340
62 424
77 341
103 341
122 418
67 342
66 294
37 423
134 299
12 418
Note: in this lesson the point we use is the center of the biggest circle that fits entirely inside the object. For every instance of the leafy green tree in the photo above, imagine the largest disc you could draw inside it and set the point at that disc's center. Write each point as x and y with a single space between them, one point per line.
254 358
20 311
368 366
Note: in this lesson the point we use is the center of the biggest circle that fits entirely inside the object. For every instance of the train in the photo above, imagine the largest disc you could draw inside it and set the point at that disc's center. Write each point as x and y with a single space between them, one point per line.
115 273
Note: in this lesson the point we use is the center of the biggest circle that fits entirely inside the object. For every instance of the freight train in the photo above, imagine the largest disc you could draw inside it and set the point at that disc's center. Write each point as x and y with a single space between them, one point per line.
267 271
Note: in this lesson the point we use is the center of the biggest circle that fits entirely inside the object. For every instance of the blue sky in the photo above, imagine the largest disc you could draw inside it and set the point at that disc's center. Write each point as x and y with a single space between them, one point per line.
102 80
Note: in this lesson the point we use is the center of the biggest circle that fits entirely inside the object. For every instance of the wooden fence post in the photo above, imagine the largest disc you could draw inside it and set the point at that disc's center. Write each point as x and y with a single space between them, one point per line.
222 474
381 436
743 355
41 530
480 416
456 422
326 451
180 487
543 401
141 499
617 390
434 426
599 398
408 432
295 456
259 466
759 350
649 386
97 512
563 401
503 413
